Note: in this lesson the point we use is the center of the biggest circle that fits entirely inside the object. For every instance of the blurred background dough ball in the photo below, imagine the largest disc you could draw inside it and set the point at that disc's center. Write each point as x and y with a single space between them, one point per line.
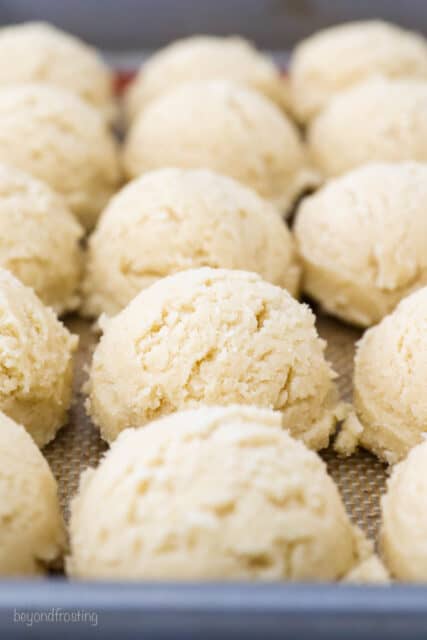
213 336
215 493
404 518
36 361
205 58
32 532
174 219
377 121
337 58
226 128
363 238
39 239
390 409
38 52
63 141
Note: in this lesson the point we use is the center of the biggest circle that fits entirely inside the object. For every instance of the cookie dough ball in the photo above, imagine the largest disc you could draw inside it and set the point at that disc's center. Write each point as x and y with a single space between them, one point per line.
215 493
35 361
39 239
337 58
32 532
38 52
224 127
61 140
404 518
213 336
198 218
205 58
363 240
390 371
377 121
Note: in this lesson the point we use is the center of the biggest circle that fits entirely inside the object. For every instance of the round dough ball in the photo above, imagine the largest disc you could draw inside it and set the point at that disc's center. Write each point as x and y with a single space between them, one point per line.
36 364
63 141
205 58
224 127
377 121
363 240
39 239
337 58
213 336
390 373
215 493
32 532
404 518
38 52
198 218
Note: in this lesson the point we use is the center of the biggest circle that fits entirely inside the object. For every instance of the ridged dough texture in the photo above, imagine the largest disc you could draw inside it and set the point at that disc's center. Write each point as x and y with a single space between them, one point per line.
205 58
224 127
39 239
363 238
36 363
197 218
38 52
404 518
63 141
338 58
390 370
380 120
213 336
32 532
215 493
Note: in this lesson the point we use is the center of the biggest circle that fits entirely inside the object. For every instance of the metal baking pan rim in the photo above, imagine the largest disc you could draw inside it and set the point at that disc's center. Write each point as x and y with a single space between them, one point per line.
218 610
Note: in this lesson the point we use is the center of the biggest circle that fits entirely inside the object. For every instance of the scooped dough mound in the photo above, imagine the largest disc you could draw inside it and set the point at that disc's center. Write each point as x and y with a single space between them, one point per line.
390 373
226 128
35 361
61 140
32 533
214 493
39 239
377 121
38 52
337 58
404 518
205 58
173 219
363 238
213 336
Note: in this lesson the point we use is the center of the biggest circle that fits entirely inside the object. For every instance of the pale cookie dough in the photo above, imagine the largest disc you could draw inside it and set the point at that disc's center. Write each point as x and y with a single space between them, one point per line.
337 58
378 121
39 52
214 493
39 239
205 58
173 219
403 538
32 532
363 239
213 336
63 141
227 128
36 361
390 410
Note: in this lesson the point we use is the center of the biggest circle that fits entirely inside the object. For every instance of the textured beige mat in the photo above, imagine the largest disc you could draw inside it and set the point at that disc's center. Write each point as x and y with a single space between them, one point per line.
360 478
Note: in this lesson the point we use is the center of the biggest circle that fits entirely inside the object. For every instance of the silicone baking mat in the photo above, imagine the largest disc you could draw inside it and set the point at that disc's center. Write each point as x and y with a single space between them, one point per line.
361 478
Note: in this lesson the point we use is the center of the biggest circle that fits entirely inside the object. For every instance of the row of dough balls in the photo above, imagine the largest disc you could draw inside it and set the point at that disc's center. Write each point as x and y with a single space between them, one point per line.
169 510
175 478
359 242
